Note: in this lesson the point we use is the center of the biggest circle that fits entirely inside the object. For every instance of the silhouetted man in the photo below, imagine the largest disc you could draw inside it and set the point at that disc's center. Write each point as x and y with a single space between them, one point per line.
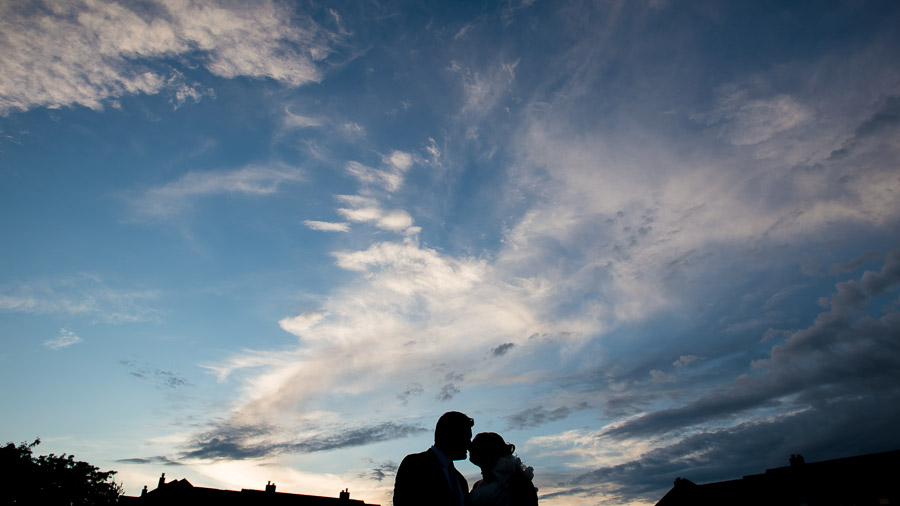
429 478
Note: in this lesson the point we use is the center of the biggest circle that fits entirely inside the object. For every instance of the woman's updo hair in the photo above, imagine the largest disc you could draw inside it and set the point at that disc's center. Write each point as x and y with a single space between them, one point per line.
488 447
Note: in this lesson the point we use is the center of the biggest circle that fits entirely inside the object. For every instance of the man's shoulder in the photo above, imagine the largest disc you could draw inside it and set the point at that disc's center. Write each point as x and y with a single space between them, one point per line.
418 458
418 467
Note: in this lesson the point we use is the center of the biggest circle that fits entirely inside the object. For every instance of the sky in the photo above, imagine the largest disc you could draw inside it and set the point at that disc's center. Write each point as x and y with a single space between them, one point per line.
254 241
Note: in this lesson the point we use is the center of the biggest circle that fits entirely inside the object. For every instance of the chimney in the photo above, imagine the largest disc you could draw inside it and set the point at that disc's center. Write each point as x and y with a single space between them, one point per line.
270 487
345 494
162 481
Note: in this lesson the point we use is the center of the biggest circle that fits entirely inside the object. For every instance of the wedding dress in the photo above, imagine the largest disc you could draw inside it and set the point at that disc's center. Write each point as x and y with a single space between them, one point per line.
507 484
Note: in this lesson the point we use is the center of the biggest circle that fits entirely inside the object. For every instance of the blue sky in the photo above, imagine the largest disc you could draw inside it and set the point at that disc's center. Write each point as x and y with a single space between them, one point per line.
276 241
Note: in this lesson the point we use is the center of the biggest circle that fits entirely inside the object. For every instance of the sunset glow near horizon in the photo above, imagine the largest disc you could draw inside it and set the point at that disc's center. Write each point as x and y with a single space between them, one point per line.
274 241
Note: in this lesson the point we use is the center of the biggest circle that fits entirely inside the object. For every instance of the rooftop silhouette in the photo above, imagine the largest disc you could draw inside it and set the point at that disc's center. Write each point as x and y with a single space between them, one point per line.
183 493
863 480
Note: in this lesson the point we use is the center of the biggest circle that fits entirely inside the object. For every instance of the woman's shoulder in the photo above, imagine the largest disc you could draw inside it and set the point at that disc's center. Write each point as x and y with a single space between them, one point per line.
490 494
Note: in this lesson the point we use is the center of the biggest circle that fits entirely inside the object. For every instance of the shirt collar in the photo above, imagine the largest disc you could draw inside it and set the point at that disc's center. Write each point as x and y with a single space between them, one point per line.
442 458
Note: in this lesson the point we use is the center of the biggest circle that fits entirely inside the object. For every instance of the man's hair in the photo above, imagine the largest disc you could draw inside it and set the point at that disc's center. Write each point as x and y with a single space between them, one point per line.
450 423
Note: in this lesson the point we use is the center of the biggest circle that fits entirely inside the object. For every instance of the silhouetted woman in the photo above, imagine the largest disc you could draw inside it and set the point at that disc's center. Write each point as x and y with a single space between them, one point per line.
505 480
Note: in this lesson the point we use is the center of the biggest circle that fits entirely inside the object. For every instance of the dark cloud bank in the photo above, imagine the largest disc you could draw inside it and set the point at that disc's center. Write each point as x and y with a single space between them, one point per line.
829 390
159 459
232 442
850 427
537 416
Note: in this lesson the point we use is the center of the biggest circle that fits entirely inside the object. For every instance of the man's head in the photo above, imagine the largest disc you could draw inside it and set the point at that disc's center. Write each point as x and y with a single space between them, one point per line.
453 434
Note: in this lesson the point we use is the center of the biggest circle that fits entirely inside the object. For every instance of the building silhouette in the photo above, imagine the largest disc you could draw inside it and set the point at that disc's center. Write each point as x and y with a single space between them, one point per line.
182 493
863 480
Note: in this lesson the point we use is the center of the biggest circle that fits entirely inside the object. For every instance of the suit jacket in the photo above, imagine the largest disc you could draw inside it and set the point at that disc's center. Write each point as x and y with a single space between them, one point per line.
421 481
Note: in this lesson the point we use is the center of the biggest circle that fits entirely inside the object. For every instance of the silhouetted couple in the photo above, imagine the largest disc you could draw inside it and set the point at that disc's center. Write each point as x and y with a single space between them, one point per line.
429 478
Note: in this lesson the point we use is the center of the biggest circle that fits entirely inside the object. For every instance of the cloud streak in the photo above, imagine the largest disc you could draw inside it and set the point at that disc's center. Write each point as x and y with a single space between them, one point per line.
174 197
158 460
242 442
65 339
389 176
81 294
327 226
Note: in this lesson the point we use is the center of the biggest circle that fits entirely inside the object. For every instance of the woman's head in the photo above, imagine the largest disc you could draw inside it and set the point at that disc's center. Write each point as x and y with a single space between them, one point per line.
488 447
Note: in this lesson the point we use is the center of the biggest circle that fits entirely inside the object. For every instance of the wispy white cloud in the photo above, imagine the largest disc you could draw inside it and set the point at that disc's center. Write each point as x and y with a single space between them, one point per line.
372 176
85 52
327 226
484 89
368 210
649 212
743 119
82 294
400 160
434 152
365 207
246 359
65 339
413 308
193 93
427 268
293 120
389 176
175 196
353 129
300 324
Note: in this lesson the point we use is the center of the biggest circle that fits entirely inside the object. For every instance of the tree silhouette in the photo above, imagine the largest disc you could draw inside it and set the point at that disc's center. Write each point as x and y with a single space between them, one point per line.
53 481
